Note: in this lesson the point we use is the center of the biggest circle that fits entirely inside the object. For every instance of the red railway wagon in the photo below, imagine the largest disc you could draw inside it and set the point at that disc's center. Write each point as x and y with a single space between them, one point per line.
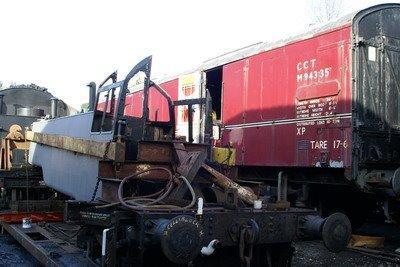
322 106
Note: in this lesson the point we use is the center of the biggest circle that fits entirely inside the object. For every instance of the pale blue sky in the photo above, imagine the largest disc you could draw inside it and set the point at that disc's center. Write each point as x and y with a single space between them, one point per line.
63 45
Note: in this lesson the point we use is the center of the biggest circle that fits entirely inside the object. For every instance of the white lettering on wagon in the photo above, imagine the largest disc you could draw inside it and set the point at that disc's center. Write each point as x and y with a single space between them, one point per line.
323 144
306 64
314 75
301 130
308 70
324 106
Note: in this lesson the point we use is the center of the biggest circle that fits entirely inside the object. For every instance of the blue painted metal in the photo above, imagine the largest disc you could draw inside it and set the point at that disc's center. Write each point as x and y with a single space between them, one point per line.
70 173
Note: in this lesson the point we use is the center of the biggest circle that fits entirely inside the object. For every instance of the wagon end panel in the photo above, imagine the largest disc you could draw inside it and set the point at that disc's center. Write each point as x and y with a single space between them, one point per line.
376 61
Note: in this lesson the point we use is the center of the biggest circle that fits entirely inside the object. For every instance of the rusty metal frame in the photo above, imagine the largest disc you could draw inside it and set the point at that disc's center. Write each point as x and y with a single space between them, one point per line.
145 66
37 251
36 248
116 150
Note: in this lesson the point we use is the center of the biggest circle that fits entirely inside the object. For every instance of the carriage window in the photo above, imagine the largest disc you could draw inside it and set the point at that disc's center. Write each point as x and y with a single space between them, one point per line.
105 111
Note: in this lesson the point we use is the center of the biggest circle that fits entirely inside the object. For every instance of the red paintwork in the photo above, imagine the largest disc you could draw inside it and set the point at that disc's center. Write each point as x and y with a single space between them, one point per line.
34 216
271 88
158 107
264 87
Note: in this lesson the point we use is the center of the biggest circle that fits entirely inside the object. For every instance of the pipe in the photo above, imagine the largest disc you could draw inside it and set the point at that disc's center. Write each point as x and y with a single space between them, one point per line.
104 245
282 187
200 207
104 241
209 250
147 203
54 107
221 180
92 95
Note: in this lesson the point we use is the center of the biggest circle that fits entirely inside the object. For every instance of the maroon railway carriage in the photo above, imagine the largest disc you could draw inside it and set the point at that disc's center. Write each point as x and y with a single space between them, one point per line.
323 106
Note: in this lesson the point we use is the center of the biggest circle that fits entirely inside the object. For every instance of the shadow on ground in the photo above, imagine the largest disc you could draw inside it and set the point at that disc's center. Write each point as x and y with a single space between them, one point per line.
13 254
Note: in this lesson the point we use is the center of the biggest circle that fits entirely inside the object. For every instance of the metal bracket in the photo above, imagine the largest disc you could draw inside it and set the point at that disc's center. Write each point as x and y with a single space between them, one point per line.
189 165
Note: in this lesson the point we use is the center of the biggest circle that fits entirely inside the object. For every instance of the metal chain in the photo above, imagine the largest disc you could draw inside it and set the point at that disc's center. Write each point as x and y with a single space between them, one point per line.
27 179
246 242
105 156
96 188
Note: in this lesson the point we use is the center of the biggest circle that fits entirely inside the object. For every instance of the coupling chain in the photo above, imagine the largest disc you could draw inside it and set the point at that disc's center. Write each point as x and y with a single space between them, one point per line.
105 156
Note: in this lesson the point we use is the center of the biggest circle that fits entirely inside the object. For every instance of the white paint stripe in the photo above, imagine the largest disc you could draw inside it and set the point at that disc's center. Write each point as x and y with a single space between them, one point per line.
287 121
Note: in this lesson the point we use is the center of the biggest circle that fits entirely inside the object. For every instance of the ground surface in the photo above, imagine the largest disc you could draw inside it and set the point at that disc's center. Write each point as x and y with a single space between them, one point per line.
309 253
13 254
313 253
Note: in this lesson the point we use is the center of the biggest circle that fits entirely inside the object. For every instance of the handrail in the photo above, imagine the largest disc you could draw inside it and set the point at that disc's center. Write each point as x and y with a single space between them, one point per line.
112 76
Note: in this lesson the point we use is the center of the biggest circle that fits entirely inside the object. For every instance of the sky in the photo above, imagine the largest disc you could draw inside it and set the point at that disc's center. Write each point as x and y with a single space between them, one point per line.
63 45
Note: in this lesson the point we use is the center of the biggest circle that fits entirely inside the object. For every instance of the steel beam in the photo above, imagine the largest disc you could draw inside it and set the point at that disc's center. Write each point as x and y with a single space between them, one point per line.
116 150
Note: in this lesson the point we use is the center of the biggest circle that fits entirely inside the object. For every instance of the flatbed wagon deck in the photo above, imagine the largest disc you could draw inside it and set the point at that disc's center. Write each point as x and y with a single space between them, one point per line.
48 246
